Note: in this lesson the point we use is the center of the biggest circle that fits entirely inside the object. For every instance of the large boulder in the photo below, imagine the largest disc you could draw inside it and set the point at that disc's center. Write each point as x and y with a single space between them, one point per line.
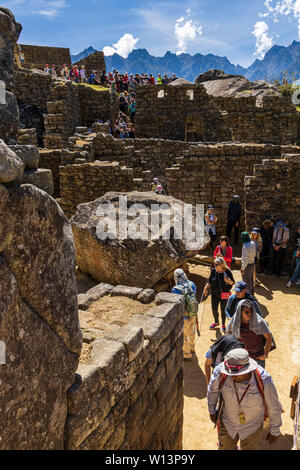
11 166
9 115
39 321
130 262
220 84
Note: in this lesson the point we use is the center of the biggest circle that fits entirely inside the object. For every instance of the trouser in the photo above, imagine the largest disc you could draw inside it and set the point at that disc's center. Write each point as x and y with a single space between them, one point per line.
230 226
227 443
215 308
132 117
188 337
277 261
296 273
264 258
213 237
248 277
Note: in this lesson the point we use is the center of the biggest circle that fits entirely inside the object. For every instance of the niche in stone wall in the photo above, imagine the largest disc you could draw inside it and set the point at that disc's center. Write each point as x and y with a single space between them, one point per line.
161 94
190 94
194 128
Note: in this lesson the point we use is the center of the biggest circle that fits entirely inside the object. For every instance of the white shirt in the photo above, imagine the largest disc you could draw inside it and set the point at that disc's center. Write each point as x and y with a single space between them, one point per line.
252 404
248 254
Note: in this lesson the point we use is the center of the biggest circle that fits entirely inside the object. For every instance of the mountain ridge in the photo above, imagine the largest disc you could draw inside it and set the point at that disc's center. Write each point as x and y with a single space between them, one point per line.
278 61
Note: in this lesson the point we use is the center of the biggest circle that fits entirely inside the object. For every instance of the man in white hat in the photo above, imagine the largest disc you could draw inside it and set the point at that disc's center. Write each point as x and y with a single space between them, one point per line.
248 394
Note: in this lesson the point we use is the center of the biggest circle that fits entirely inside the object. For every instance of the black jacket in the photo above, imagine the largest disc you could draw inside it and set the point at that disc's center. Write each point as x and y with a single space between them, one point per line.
224 345
234 211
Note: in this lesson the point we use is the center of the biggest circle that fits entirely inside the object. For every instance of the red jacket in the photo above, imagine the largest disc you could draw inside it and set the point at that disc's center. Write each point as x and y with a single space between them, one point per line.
227 257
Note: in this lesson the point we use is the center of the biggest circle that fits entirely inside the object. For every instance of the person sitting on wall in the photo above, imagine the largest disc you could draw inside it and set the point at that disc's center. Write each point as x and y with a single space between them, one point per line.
211 219
160 190
224 250
155 185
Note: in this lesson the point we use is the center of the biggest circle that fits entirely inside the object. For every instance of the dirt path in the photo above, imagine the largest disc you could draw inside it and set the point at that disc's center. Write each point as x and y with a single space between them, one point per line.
281 307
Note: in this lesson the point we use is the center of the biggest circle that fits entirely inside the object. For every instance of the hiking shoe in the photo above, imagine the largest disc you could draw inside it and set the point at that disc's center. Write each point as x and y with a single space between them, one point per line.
214 325
289 284
188 358
224 328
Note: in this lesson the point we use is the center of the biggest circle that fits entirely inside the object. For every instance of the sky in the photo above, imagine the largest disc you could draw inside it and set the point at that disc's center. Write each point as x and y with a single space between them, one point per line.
241 30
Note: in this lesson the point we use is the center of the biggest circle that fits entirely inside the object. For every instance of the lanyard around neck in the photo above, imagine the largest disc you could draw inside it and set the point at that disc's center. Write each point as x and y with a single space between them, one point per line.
244 394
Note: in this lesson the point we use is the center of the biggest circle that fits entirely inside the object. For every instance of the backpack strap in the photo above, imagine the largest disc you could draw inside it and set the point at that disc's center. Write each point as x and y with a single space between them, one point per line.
223 377
260 387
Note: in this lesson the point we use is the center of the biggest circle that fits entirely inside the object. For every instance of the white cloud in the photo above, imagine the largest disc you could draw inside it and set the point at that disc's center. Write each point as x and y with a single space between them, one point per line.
47 8
123 47
263 41
186 30
287 8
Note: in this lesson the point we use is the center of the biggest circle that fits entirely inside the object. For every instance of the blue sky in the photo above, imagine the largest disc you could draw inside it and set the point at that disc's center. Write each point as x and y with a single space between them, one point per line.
242 30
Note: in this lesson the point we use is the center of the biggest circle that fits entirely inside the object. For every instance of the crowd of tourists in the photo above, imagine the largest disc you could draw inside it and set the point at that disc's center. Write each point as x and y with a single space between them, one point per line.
241 394
119 82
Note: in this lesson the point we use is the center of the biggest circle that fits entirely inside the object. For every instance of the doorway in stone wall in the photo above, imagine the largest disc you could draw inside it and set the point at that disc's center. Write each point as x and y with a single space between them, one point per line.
194 129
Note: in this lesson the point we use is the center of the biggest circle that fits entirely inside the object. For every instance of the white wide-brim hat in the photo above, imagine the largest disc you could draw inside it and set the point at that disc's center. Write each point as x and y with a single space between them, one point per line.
238 362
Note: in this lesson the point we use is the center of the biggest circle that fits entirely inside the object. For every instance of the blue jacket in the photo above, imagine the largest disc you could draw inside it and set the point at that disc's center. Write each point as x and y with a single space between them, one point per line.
233 301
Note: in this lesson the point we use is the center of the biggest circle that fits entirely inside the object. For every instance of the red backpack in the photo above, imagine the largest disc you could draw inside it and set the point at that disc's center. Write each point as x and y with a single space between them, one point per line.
259 384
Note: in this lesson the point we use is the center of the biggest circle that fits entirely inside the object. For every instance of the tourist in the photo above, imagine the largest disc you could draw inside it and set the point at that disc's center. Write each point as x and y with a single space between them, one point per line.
234 218
159 80
152 79
217 352
210 223
281 236
83 74
224 251
103 78
252 330
76 74
240 293
296 256
131 132
122 103
256 238
160 190
174 77
220 281
155 185
266 232
248 395
47 69
53 71
248 261
187 288
131 108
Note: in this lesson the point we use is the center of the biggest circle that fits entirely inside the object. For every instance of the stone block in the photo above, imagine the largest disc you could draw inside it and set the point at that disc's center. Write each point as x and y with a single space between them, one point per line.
168 298
11 166
92 295
88 385
132 337
137 387
154 329
120 409
146 296
100 435
40 178
116 439
79 426
126 291
169 313
29 155
110 357
122 382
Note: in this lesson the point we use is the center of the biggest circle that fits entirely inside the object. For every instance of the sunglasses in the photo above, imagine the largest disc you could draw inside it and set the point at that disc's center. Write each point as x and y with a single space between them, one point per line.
248 312
234 368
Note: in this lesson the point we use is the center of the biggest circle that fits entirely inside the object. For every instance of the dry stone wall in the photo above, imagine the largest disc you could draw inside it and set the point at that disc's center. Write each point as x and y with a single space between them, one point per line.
212 174
95 61
39 56
167 112
129 396
274 190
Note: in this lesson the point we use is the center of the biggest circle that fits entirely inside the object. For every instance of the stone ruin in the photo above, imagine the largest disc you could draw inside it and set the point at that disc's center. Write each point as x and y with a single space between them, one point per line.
76 377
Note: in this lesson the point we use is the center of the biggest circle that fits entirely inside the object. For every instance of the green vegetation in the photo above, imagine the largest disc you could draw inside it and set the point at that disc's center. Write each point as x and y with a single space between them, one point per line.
94 87
287 86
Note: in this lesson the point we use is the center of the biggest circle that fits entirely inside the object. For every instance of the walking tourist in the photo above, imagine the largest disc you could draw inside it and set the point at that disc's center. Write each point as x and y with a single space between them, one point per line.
220 282
296 257
82 74
131 108
248 261
224 250
210 223
240 293
256 238
187 288
234 218
217 352
281 236
247 394
252 330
